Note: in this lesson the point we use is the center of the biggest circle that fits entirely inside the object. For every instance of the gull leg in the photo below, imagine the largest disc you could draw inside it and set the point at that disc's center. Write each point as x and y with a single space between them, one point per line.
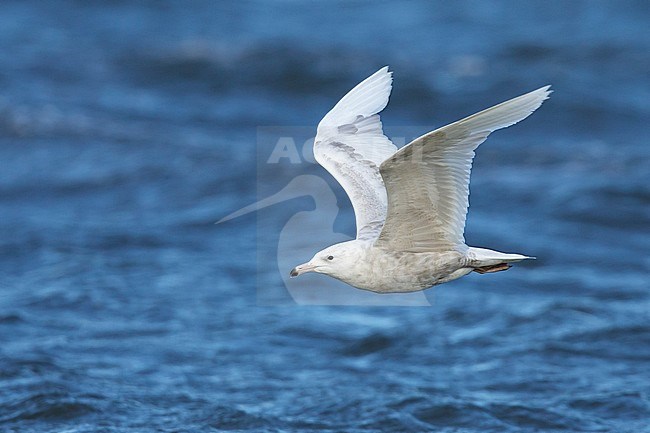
493 268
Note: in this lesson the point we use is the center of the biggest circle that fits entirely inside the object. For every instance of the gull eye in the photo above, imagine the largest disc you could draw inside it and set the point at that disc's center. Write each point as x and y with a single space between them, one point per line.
330 257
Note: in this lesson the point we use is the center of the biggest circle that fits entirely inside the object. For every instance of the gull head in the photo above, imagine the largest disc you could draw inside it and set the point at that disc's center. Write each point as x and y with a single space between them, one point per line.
336 261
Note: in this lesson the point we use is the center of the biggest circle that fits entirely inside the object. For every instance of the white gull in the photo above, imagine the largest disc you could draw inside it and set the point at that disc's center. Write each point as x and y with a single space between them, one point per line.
410 204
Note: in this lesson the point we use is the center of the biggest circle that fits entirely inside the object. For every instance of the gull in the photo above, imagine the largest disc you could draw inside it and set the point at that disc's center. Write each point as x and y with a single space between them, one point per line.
410 204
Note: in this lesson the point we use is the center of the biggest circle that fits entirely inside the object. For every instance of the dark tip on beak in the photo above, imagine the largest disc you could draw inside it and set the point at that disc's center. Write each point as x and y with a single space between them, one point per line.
293 273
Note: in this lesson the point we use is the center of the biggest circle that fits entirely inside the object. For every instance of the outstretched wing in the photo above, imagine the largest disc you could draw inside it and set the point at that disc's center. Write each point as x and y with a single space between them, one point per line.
351 145
428 179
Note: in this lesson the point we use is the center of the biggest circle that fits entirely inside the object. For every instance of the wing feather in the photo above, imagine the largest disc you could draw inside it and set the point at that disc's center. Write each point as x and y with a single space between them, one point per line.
427 181
350 144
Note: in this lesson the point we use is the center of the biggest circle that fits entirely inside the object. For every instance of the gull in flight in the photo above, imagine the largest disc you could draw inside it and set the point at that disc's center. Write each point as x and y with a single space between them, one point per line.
410 204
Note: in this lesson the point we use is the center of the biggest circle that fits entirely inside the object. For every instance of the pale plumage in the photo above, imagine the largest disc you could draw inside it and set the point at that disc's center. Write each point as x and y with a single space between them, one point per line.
410 204
351 145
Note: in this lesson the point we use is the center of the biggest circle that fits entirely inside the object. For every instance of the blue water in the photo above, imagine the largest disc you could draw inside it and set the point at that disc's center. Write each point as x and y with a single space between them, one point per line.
128 128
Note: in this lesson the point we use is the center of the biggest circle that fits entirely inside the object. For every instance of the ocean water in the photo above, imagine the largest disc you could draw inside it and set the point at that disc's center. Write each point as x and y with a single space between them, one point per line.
128 128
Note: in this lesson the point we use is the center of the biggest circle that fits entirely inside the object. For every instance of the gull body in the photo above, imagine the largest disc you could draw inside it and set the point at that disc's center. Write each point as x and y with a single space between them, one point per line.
364 266
410 204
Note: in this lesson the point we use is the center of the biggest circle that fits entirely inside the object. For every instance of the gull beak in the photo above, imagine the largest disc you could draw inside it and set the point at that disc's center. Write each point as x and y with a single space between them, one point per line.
302 269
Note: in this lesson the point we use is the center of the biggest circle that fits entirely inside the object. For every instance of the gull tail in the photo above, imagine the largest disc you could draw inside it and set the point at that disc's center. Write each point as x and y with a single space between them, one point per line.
487 261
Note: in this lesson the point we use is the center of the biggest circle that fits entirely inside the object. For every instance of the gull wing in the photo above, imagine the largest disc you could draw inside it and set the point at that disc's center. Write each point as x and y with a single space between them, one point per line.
428 180
351 145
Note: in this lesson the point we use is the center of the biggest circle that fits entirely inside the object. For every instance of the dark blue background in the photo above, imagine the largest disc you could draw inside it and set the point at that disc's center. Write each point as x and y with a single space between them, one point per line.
128 127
